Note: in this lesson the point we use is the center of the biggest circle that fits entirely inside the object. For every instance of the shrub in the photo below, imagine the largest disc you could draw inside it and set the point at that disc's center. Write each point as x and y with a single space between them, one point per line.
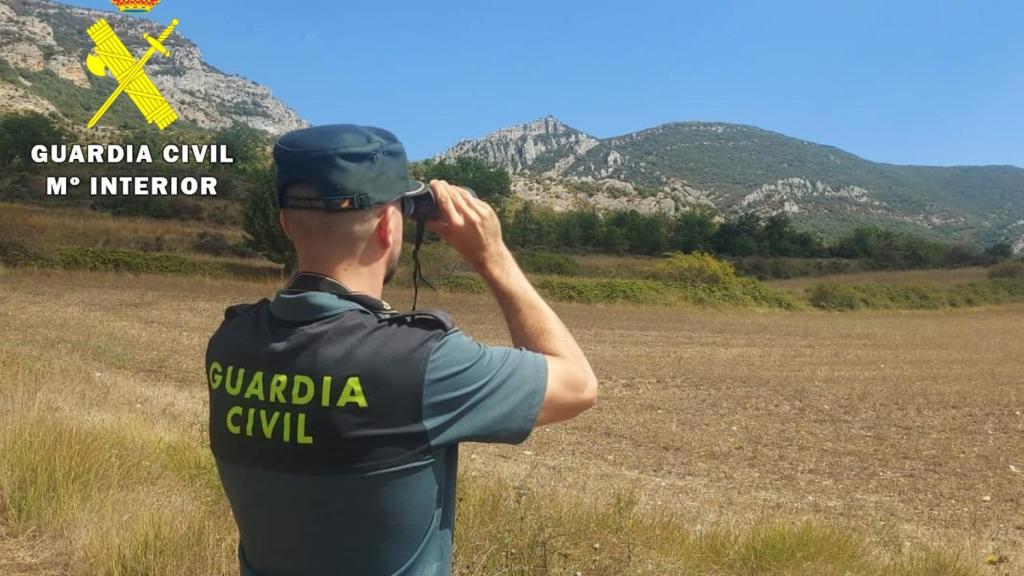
106 259
835 297
217 244
754 293
889 249
14 253
462 283
697 269
548 263
993 292
263 232
742 292
20 132
780 268
843 297
491 183
1013 269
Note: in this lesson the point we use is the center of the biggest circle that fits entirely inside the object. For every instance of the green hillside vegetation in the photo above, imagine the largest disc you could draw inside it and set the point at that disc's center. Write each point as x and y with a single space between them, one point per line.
75 103
734 160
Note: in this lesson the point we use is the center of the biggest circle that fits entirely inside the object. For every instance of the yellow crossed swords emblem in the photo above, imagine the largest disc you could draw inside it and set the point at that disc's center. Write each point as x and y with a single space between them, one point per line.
111 54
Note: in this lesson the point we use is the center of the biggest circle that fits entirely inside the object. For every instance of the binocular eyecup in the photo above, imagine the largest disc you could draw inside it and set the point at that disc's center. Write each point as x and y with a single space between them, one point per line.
424 206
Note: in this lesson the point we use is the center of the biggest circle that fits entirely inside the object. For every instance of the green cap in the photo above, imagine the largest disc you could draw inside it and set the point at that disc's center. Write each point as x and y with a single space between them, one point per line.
348 167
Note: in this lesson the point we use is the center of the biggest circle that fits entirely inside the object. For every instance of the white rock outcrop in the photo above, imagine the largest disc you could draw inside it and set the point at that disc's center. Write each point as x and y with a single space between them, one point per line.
519 147
198 92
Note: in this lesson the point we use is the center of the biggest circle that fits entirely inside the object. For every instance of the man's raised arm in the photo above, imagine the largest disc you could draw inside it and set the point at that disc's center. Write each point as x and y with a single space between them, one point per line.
472 228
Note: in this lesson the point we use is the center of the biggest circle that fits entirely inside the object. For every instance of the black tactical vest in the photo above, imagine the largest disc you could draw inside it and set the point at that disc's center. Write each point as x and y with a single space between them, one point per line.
340 394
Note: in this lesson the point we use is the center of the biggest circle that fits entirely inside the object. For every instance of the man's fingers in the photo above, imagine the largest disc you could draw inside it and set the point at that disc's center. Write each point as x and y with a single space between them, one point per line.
443 197
458 197
475 204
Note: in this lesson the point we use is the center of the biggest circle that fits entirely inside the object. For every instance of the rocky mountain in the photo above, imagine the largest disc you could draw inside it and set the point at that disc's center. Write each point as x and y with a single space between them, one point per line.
545 145
736 168
43 46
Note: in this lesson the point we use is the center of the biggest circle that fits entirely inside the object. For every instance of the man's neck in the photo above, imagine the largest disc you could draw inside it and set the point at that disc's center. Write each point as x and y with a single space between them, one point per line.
355 278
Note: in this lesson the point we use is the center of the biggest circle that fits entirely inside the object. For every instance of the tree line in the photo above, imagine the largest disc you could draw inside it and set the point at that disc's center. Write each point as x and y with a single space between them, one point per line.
743 235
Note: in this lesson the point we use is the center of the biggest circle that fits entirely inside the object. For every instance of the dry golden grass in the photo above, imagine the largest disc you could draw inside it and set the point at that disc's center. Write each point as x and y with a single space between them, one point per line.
75 226
723 443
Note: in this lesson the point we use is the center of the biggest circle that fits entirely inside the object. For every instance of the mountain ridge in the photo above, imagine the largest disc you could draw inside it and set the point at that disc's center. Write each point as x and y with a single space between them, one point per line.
738 168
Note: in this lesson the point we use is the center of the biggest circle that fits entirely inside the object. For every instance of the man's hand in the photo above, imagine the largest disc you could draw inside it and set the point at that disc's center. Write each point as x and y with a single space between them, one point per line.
470 226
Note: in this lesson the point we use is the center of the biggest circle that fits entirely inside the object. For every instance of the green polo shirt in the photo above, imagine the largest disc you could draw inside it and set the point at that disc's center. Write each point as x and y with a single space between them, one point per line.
392 521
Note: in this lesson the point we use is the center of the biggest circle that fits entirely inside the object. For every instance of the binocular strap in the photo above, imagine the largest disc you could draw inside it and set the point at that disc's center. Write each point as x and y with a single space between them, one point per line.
417 270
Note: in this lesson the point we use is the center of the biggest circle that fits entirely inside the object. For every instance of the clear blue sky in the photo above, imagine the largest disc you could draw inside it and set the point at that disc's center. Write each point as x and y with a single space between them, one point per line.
906 82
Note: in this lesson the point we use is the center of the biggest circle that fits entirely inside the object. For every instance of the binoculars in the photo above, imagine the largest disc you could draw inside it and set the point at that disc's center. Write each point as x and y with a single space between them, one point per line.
424 206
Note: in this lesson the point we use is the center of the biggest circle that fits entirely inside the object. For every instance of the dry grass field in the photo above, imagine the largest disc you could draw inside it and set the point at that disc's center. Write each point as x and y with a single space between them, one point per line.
76 226
724 442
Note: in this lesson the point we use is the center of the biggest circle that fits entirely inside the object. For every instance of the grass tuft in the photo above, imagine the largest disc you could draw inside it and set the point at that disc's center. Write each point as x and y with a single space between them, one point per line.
519 531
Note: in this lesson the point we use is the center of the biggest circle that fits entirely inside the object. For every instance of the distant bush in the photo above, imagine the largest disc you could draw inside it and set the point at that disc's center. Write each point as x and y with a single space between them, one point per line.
262 230
20 132
834 297
462 283
779 268
14 253
993 292
750 292
491 183
742 236
697 269
548 263
217 244
703 279
75 258
892 250
1001 250
877 296
845 297
741 292
1013 269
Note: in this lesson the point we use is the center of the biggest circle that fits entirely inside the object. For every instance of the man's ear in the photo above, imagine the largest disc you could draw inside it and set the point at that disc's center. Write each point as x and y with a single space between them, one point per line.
382 231
284 224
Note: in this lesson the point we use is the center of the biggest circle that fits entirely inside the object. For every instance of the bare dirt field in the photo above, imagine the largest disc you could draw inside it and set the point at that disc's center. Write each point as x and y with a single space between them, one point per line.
906 426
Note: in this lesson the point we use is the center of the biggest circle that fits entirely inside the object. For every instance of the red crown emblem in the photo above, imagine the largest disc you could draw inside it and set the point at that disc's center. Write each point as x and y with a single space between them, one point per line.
135 5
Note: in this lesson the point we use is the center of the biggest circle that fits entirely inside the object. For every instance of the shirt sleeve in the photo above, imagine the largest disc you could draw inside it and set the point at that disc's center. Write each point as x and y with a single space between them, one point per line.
479 393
